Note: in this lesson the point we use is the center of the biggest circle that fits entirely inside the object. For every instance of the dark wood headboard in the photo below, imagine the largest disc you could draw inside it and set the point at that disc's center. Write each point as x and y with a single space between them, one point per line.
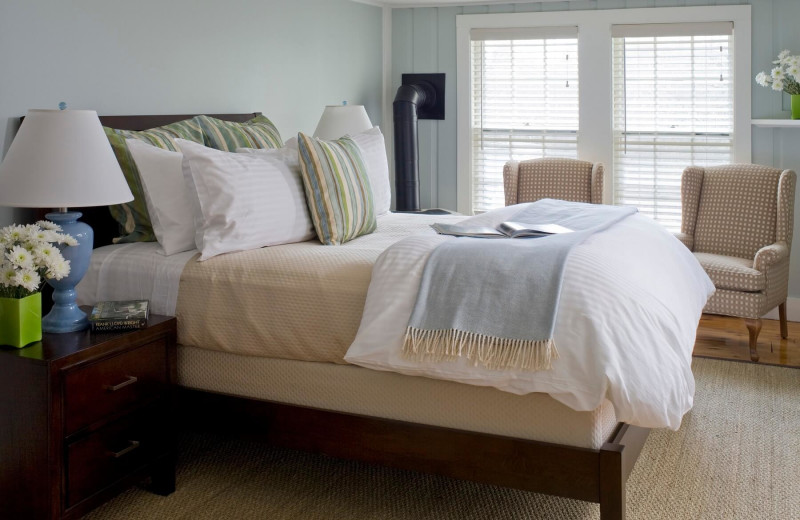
146 122
104 225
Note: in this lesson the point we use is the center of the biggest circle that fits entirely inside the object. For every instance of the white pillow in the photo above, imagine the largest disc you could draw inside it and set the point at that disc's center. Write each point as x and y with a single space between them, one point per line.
167 199
244 201
373 148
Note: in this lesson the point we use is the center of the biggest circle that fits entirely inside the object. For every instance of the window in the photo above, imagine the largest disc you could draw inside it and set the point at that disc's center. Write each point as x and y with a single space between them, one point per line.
660 89
524 103
673 93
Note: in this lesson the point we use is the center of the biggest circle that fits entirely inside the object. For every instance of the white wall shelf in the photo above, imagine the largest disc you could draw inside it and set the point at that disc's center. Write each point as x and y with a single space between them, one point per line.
776 122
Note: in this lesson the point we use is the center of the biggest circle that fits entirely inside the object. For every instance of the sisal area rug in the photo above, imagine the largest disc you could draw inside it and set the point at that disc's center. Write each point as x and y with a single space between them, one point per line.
736 456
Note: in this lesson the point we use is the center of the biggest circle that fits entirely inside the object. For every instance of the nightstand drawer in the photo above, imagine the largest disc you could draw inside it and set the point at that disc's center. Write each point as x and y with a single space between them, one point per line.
115 451
112 384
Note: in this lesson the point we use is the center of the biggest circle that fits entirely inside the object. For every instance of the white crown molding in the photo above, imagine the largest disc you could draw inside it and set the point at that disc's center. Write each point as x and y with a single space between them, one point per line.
402 4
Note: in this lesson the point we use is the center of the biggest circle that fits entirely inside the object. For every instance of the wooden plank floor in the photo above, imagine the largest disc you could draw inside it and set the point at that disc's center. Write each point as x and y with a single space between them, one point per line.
723 337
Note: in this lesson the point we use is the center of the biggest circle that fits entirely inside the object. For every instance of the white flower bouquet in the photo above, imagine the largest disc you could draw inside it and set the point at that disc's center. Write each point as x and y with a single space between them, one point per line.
785 76
30 257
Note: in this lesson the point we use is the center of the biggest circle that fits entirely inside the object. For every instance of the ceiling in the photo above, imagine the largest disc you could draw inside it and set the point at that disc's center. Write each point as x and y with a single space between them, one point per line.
434 3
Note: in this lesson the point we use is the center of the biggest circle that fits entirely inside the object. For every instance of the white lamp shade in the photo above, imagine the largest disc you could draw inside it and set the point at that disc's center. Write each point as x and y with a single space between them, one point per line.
340 120
59 159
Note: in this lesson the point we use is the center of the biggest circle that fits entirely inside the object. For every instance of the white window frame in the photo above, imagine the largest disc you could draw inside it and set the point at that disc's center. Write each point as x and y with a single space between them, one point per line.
595 134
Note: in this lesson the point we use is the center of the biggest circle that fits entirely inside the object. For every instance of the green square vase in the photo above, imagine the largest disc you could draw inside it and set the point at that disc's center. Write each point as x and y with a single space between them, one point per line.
21 320
796 106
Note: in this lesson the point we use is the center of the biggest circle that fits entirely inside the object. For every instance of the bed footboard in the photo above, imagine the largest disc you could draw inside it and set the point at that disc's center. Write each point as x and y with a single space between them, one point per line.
591 475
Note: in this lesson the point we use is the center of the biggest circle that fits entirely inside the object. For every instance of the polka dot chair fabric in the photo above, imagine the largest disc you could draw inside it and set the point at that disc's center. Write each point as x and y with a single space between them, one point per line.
691 184
737 219
735 303
728 272
553 178
737 210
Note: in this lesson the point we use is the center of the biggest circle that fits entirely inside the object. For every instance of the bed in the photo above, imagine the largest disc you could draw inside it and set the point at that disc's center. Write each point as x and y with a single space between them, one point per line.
530 442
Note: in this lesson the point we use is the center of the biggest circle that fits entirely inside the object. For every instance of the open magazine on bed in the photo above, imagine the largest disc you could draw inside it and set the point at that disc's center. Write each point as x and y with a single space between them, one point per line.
507 229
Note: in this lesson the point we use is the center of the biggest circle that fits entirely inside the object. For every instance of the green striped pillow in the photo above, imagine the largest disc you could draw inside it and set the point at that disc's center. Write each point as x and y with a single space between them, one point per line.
132 216
227 136
337 189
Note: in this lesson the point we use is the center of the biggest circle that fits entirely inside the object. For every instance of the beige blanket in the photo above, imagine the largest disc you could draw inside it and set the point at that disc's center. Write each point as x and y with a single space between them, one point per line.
297 301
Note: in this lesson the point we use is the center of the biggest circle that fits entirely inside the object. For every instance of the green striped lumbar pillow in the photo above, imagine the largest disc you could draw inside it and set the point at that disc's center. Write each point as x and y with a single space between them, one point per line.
227 136
337 189
133 216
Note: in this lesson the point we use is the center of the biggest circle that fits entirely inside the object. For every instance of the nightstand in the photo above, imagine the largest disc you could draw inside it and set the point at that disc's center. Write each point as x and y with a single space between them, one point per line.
83 416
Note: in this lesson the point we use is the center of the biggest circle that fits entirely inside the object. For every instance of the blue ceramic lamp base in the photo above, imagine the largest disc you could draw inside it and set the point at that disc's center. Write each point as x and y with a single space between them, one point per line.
66 316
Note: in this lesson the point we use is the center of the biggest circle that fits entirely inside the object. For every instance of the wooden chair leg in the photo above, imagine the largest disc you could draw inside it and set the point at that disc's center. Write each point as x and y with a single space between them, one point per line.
754 327
784 325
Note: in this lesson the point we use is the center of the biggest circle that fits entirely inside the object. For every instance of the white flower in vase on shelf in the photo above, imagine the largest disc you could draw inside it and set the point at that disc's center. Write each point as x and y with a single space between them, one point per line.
28 257
785 77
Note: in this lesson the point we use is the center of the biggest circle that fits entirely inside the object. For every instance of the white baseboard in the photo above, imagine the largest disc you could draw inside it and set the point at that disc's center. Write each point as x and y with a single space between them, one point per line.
792 310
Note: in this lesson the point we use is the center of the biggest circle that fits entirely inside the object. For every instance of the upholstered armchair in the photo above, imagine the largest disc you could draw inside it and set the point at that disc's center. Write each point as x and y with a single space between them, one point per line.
737 219
554 178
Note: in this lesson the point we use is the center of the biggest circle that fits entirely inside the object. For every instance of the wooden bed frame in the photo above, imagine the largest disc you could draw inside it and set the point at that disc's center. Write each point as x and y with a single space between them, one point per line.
592 475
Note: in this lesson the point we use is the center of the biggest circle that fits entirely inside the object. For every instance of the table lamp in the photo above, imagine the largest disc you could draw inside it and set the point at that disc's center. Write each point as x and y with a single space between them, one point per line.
60 159
340 120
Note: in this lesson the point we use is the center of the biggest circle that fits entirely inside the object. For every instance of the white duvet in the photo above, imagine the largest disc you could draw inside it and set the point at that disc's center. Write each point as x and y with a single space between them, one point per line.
625 328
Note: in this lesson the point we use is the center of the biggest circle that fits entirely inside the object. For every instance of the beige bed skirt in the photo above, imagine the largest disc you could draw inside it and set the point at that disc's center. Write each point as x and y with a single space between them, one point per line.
352 389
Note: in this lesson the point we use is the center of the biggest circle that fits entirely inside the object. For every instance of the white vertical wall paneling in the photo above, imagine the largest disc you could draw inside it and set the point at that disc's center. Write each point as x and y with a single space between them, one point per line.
640 3
403 44
762 102
425 60
527 8
501 8
743 84
582 5
611 4
476 9
402 60
555 6
387 121
786 36
446 135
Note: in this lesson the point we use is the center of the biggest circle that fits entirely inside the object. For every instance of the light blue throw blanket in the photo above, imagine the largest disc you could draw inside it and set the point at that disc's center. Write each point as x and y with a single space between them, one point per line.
494 301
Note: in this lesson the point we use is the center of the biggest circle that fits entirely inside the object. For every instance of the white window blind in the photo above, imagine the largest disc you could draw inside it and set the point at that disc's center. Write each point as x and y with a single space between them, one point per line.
524 102
673 107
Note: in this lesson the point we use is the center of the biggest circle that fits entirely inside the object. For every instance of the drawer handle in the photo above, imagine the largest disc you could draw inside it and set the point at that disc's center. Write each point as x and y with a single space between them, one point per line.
114 388
132 446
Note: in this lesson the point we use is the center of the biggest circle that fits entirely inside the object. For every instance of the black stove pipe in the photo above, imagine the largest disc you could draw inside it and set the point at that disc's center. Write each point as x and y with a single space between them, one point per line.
406 161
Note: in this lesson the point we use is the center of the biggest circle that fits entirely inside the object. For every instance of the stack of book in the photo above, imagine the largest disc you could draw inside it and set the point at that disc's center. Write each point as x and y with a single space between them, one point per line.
119 315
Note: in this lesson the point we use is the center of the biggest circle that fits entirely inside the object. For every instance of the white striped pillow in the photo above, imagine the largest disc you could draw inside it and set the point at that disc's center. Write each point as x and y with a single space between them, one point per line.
373 149
244 201
337 189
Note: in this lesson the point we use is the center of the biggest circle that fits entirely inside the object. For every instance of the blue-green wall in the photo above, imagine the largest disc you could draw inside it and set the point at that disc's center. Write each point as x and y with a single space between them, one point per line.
424 40
285 58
